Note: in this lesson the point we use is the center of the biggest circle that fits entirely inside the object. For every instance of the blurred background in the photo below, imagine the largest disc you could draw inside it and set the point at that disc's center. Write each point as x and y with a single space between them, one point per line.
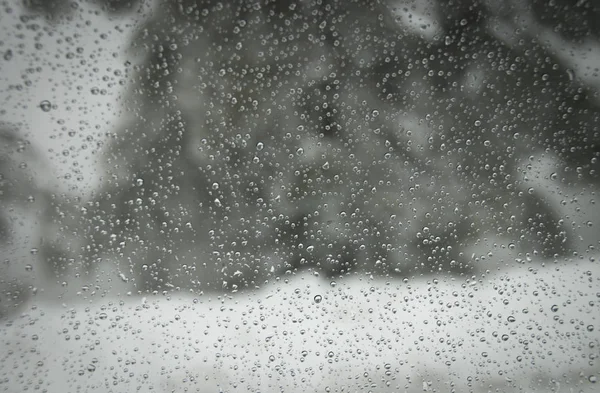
215 145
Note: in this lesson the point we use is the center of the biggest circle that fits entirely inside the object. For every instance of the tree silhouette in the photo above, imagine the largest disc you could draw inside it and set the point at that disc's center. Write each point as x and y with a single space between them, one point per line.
270 136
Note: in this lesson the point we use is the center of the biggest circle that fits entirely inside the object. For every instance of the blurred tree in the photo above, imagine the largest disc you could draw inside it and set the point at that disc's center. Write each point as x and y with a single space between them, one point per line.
266 136
19 198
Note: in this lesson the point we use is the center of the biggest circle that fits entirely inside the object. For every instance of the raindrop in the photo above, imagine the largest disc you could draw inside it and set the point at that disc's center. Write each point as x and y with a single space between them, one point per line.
46 106
260 146
318 299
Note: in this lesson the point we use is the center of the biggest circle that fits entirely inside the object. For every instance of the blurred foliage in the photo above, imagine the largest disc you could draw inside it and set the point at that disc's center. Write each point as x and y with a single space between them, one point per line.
269 136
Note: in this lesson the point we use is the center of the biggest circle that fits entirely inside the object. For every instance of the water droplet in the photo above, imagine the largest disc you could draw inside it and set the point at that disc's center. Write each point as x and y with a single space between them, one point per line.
326 165
8 55
215 186
103 316
554 308
46 106
570 74
139 182
260 146
593 379
300 151
318 299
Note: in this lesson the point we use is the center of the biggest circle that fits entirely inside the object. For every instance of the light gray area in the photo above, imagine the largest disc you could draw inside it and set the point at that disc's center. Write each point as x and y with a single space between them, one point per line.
529 329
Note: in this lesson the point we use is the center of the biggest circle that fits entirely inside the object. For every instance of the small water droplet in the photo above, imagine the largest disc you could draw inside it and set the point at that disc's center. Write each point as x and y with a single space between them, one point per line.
46 106
318 299
260 146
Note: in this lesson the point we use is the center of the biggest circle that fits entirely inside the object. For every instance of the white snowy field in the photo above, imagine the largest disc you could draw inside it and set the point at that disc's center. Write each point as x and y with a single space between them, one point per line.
533 328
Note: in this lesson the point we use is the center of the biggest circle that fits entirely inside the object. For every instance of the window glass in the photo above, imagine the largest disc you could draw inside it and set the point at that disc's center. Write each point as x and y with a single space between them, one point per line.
299 195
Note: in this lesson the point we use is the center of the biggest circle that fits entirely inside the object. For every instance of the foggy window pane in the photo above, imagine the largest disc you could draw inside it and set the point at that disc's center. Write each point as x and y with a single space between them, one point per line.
299 196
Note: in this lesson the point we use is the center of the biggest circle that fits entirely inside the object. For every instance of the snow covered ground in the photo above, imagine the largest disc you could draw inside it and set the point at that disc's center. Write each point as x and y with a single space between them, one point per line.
533 328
